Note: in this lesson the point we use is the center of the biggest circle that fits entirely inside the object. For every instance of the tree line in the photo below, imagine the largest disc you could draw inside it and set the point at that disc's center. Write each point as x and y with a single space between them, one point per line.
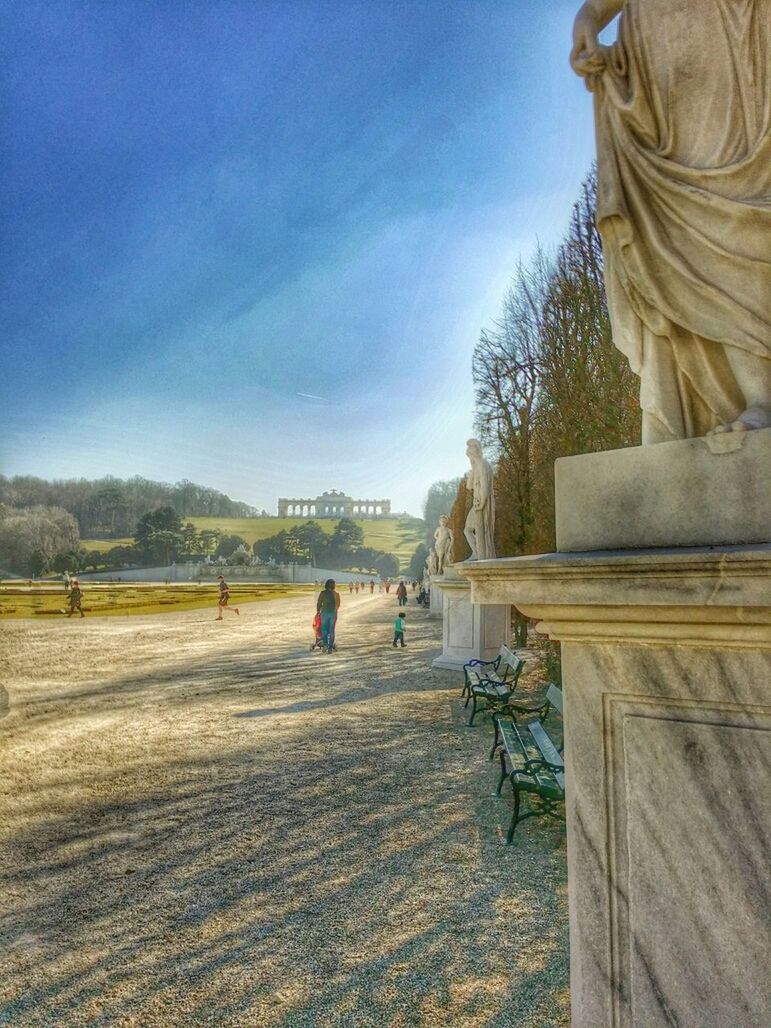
162 536
109 508
343 549
39 540
548 383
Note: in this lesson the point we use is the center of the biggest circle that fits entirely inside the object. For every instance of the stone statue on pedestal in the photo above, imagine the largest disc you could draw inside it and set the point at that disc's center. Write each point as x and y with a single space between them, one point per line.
443 544
682 111
432 564
479 529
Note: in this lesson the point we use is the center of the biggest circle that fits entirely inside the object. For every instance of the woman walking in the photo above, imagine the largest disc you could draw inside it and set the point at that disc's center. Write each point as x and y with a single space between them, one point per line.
327 606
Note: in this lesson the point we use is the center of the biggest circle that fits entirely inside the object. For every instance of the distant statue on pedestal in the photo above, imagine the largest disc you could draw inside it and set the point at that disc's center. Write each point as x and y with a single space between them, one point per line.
432 564
479 529
682 113
443 544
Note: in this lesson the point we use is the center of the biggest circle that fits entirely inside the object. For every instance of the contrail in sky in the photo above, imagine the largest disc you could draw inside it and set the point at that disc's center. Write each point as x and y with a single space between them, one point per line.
311 396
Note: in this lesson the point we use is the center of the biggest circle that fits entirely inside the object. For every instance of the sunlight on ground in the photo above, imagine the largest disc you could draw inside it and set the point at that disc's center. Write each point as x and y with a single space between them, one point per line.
168 861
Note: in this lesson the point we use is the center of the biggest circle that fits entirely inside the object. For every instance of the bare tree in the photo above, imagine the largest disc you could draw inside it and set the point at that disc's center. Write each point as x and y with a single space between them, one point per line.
507 373
548 380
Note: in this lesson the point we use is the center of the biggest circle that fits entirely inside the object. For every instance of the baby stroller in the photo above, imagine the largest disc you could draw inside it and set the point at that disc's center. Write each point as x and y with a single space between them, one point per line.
317 629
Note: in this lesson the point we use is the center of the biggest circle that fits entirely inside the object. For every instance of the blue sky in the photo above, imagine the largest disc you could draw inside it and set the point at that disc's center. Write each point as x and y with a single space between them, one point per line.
211 208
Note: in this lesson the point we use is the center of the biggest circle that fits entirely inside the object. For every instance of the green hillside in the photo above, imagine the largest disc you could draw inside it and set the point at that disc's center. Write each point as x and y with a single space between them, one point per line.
399 536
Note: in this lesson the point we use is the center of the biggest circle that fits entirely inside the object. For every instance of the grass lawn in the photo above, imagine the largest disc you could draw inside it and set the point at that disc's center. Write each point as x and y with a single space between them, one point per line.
103 544
399 536
22 601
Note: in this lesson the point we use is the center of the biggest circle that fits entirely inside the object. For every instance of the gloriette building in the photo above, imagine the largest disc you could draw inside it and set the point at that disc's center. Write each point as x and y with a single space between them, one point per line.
334 504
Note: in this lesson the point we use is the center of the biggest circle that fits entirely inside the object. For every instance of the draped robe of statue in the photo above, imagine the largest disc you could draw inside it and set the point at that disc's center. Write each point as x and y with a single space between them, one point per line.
479 529
684 178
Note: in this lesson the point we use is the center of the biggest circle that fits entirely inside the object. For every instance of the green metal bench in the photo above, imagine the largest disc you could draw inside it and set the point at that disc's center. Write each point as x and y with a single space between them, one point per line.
517 707
537 767
491 682
498 669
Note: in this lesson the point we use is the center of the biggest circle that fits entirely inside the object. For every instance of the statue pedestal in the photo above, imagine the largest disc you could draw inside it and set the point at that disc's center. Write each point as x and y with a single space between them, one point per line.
666 657
435 604
469 631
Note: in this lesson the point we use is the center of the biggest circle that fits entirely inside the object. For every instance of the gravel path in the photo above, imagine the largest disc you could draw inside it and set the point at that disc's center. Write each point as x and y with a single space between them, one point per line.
206 824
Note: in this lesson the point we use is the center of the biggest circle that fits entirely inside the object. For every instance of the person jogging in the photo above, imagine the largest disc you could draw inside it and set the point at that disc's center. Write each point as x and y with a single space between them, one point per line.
327 605
224 601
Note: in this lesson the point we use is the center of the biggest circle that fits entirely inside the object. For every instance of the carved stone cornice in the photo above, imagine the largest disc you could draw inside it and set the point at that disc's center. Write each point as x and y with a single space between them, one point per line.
694 597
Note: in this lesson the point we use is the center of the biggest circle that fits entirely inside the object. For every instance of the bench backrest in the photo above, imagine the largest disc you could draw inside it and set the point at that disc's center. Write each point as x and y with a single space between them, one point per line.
510 664
549 751
554 696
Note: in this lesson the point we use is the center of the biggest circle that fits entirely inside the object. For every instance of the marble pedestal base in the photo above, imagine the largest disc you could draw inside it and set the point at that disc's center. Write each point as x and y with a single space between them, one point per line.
714 491
435 605
666 658
469 631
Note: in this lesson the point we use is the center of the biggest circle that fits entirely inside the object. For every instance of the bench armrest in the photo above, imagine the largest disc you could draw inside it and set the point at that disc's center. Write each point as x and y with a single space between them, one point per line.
481 663
521 708
535 762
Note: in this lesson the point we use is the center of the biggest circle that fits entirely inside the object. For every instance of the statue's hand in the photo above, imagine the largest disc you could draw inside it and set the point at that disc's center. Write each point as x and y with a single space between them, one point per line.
587 58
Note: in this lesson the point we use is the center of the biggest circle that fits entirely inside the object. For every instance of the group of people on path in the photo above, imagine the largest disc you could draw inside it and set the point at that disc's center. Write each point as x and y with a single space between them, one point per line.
356 586
327 607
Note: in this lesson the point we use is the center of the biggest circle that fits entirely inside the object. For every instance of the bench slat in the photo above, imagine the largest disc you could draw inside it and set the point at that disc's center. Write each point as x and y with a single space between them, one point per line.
521 748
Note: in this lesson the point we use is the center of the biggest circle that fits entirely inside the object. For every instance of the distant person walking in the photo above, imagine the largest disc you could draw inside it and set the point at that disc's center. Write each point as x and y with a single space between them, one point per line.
401 594
371 586
76 598
388 585
327 605
350 588
224 600
66 580
399 629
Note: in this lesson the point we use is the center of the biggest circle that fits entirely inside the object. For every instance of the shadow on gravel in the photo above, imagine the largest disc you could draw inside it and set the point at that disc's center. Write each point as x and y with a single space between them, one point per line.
290 895
344 869
249 667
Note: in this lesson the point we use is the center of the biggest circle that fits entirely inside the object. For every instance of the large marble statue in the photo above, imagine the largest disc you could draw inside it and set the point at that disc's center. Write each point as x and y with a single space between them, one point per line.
480 524
683 110
444 539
